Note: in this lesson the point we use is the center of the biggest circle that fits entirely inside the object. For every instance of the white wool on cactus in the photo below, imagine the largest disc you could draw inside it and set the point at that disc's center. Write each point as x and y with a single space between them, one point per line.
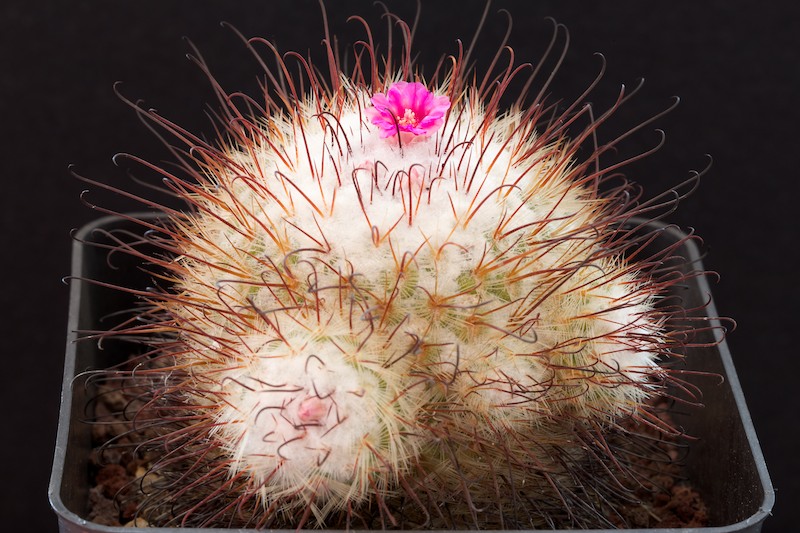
388 276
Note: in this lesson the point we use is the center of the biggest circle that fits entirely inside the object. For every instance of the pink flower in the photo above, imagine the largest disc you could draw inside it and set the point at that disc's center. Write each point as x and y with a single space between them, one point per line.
407 107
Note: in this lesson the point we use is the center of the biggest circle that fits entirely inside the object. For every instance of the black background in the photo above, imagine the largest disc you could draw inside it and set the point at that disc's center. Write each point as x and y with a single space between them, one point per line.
735 65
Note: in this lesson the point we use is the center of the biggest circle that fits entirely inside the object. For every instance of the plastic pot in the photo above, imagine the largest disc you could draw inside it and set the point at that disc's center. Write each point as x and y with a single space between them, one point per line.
724 464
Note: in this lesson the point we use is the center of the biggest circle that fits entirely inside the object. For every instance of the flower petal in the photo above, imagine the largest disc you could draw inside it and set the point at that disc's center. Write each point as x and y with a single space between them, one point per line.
407 107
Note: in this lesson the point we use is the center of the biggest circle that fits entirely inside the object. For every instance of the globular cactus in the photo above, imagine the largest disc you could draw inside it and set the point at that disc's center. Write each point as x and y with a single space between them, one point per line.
391 303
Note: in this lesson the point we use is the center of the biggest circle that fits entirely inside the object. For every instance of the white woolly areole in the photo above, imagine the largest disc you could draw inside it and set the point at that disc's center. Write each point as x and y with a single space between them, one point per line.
311 416
278 438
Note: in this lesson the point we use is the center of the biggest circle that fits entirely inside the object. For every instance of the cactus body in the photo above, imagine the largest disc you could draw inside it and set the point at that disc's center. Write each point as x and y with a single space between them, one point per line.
379 304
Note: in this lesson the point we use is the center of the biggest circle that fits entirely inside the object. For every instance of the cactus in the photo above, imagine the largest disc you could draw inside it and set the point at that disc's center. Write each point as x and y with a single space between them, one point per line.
394 303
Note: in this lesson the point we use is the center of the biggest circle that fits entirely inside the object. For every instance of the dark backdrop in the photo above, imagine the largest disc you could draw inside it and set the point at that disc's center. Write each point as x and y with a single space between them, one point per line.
734 64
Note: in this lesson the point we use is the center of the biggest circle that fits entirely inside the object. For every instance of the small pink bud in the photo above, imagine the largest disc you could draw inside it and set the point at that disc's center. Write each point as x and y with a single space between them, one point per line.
312 410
